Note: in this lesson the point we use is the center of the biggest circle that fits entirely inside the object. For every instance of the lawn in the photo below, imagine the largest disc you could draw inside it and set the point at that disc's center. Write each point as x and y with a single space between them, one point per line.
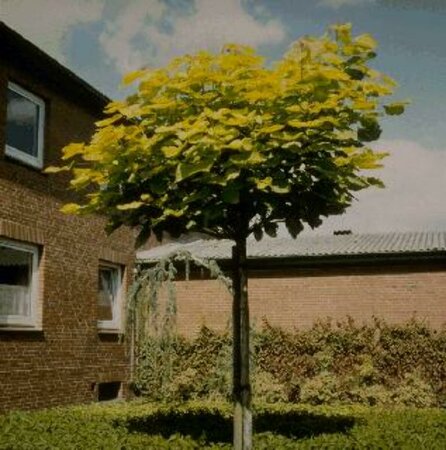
199 425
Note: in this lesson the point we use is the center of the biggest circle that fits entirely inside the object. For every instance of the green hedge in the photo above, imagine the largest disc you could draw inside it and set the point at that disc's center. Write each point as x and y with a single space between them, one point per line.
343 363
197 425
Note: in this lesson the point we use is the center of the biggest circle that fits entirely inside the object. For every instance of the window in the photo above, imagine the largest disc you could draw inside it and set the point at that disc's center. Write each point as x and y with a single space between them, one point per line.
25 118
109 296
18 284
109 391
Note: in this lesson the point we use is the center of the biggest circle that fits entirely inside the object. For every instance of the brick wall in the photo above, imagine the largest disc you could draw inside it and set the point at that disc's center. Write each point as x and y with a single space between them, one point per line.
296 298
63 362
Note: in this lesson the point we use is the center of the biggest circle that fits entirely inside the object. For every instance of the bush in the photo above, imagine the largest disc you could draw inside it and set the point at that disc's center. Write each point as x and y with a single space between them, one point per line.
374 364
200 425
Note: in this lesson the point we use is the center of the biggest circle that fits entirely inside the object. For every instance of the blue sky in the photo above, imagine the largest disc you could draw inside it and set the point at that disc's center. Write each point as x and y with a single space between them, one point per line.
102 39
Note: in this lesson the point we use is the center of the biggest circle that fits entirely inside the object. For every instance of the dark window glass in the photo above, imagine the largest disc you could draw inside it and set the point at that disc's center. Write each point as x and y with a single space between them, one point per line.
22 125
15 281
107 293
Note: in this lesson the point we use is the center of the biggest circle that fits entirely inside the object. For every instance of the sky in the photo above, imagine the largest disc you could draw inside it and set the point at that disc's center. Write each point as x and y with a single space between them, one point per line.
100 40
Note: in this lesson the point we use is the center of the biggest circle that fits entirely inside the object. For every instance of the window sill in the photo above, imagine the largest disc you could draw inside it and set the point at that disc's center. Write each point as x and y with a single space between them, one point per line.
23 158
110 331
21 328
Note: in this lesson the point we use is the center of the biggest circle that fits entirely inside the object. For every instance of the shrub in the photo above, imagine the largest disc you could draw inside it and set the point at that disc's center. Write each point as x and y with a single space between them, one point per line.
374 364
203 425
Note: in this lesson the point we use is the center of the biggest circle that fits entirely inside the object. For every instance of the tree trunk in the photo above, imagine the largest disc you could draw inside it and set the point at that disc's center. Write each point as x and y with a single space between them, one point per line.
240 317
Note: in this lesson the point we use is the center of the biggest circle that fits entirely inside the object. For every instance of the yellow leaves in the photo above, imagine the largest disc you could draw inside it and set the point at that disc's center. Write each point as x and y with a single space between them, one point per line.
162 104
364 104
210 126
132 76
365 158
109 121
268 184
71 208
240 144
239 121
54 169
332 74
174 212
365 41
186 170
72 150
343 32
312 123
129 206
81 177
271 129
171 151
256 96
114 106
248 158
167 129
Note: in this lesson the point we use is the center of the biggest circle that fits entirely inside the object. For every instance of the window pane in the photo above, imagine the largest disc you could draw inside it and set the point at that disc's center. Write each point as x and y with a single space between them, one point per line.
108 280
22 125
15 281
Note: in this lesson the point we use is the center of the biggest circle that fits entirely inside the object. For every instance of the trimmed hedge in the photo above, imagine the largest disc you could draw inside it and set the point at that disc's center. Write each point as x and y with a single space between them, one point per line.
343 363
199 425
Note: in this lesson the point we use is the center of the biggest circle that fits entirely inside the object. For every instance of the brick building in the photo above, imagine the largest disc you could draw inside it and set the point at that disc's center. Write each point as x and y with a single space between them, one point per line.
394 276
62 280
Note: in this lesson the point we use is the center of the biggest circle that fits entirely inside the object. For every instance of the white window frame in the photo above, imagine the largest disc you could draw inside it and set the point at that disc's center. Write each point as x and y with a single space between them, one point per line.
114 325
31 320
16 153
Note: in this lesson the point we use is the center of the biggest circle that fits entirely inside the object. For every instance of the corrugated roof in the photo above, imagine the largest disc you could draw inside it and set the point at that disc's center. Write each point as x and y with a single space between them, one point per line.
397 243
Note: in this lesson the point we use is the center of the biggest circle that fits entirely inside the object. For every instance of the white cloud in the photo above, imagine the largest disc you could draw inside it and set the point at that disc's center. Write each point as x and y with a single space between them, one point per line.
335 4
135 38
414 197
118 38
47 22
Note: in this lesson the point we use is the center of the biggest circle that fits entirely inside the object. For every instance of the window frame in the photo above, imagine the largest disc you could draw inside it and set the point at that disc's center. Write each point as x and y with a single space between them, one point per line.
114 325
30 321
16 153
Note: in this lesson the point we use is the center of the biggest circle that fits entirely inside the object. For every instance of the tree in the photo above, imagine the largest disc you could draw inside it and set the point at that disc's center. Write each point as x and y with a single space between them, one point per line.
225 145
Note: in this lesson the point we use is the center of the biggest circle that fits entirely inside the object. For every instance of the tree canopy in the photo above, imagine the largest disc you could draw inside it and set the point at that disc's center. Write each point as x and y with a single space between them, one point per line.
227 145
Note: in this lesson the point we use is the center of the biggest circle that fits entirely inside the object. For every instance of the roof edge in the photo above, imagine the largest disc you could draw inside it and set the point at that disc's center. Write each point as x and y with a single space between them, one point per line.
25 54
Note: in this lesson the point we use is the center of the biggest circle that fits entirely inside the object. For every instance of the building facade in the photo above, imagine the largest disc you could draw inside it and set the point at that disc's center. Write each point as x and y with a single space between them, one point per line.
293 283
62 279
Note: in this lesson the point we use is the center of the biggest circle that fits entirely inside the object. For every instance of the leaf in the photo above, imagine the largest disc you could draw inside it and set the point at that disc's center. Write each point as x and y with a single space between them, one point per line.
395 109
109 121
132 76
258 232
365 41
72 149
54 169
264 183
131 205
186 170
171 151
294 226
271 129
312 123
71 208
248 158
370 130
271 229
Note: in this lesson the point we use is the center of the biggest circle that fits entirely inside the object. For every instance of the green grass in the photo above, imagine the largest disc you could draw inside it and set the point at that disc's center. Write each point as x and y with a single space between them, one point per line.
199 425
